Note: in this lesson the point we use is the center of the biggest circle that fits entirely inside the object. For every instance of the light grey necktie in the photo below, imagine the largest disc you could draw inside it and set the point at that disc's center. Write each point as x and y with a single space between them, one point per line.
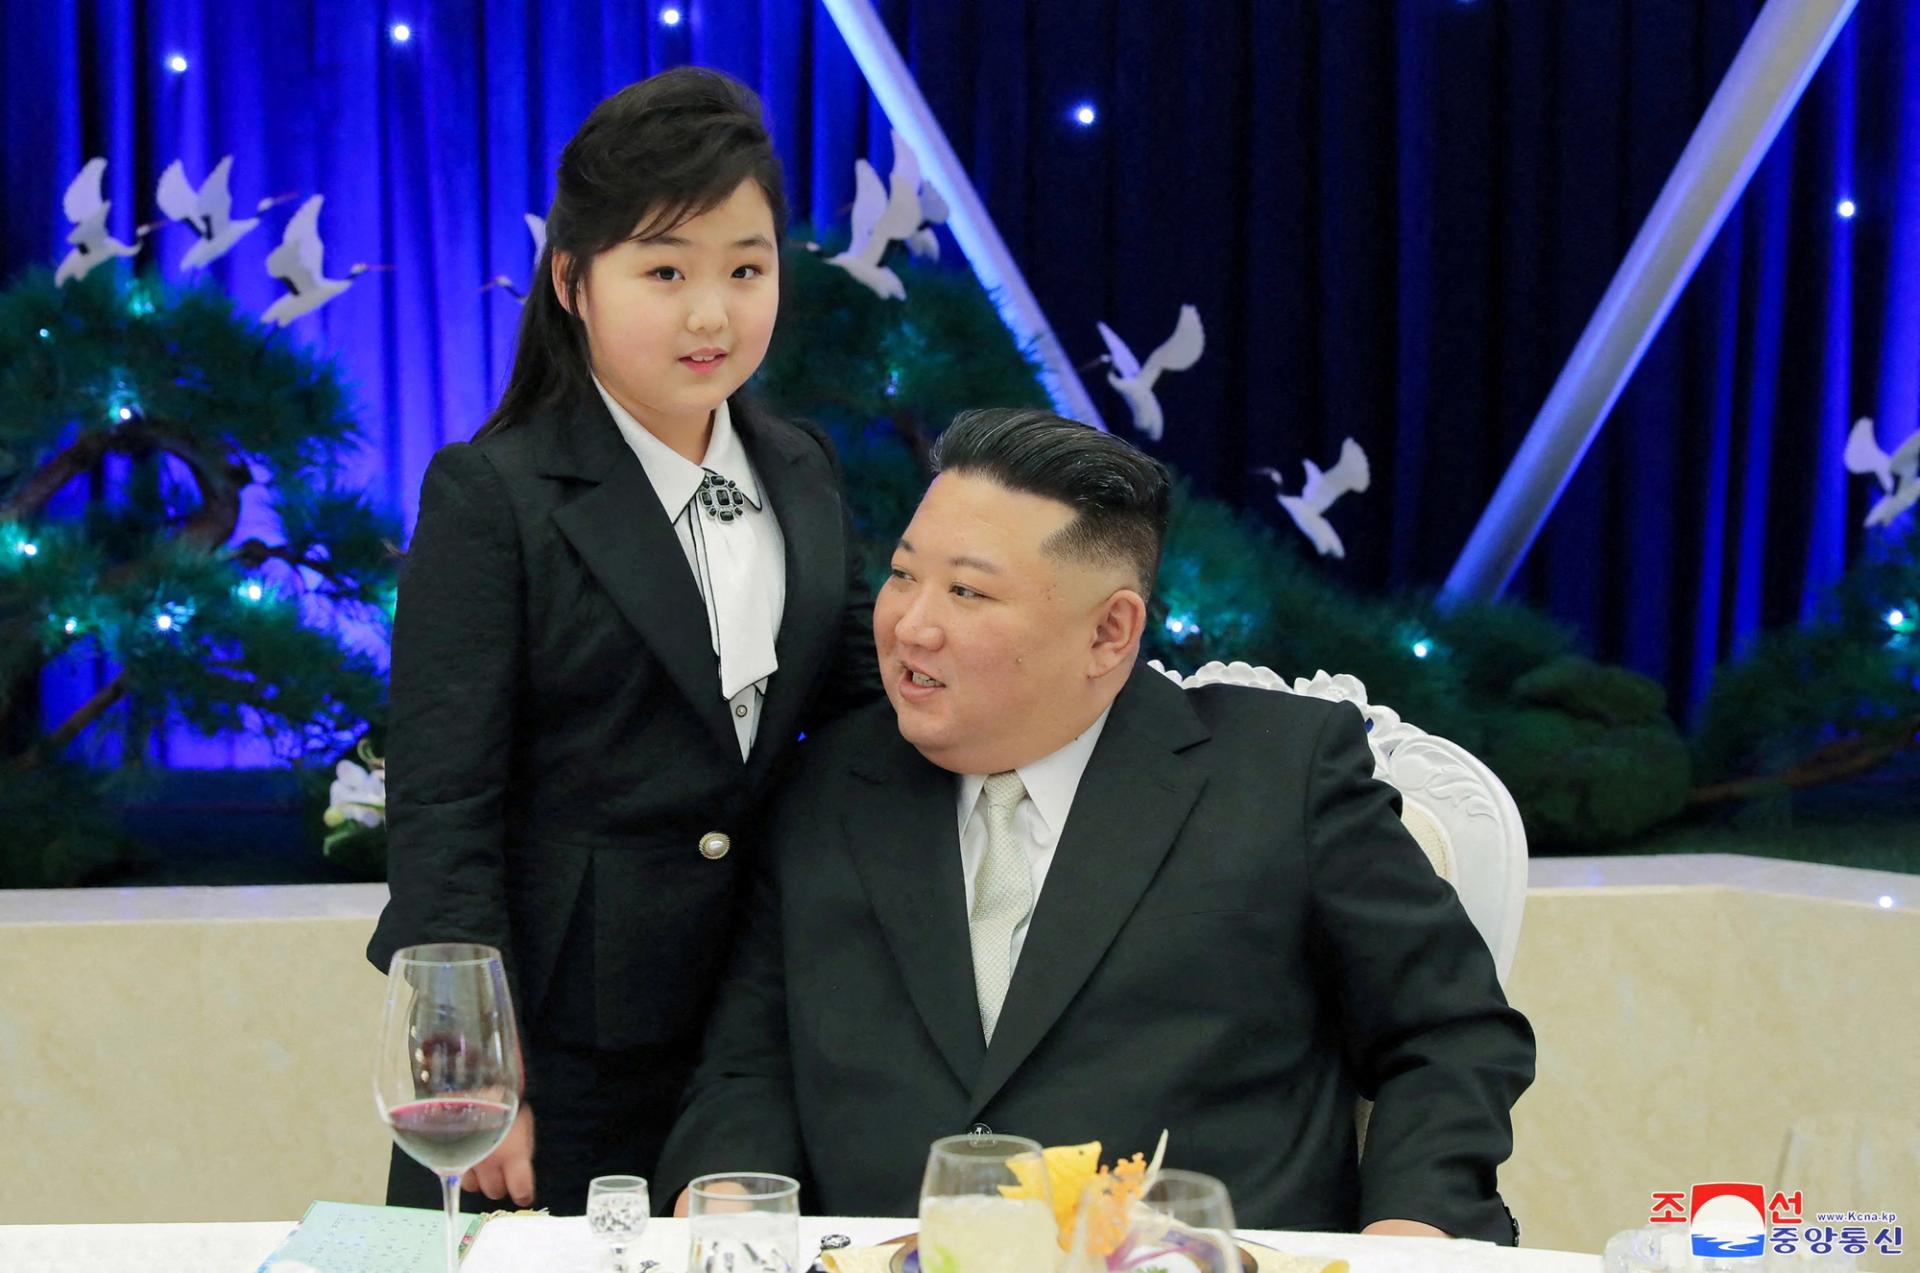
1002 899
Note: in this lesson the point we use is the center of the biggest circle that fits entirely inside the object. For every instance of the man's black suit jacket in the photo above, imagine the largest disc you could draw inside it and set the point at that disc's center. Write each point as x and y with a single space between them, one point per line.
558 745
1235 939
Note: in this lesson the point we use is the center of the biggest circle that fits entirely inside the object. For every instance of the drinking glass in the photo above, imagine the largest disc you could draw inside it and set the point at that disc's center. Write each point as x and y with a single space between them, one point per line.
447 1074
1194 1218
966 1222
617 1211
744 1222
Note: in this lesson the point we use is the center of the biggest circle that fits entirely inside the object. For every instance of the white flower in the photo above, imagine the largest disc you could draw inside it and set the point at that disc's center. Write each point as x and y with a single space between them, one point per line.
1343 688
357 794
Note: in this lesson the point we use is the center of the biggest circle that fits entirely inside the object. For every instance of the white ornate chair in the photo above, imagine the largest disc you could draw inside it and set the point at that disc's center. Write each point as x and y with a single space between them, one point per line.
1454 806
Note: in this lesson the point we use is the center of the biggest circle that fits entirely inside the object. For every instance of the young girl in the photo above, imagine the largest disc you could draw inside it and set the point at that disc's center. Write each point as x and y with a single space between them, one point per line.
623 601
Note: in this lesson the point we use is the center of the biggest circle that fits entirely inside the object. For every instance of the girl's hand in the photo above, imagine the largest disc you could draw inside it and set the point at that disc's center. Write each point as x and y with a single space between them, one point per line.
508 1169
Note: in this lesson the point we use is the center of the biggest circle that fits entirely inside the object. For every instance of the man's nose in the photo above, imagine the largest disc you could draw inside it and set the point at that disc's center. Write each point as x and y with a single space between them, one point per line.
916 626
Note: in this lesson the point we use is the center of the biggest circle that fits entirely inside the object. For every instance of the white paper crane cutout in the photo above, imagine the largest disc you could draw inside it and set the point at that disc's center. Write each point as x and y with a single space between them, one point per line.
537 227
208 210
1309 508
1134 380
882 217
924 243
87 209
296 262
1898 473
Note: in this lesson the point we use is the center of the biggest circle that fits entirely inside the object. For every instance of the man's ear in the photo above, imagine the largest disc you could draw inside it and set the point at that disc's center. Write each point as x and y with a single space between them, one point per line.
1118 627
559 271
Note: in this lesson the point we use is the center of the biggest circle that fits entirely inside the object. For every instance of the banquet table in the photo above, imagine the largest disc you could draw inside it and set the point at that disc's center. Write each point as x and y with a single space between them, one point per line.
516 1244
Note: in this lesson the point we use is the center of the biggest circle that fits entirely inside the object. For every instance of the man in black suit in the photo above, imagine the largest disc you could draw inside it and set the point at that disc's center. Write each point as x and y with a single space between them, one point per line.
1049 891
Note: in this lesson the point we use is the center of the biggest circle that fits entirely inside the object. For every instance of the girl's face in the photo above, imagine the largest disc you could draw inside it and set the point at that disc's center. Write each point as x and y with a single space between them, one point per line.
677 323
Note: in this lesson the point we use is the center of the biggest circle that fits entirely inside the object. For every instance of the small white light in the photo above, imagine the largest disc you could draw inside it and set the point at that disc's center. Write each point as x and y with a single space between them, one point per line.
126 413
1886 902
1084 114
1846 208
670 17
1896 618
177 64
1176 625
1422 648
254 592
45 334
29 549
163 622
71 626
400 32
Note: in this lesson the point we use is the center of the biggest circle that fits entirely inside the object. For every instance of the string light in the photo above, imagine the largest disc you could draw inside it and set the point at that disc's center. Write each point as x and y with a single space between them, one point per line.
1422 648
177 64
1896 618
400 33
1846 208
1181 625
173 616
1084 115
670 17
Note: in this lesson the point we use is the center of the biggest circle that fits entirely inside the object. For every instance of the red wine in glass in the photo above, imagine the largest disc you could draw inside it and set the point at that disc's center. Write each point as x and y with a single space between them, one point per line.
449 1134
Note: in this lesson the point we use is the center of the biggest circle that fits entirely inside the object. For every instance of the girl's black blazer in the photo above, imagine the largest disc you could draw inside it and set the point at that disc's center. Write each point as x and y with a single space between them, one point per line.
558 750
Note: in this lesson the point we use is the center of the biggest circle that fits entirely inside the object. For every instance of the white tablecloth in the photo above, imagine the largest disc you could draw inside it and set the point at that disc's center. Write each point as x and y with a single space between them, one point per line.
518 1245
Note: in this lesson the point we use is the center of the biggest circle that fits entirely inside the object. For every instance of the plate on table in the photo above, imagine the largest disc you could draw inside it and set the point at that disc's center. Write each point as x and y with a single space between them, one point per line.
907 1258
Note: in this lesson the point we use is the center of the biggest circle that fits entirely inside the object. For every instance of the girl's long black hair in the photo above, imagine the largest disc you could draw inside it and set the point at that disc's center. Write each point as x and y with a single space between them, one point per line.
649 158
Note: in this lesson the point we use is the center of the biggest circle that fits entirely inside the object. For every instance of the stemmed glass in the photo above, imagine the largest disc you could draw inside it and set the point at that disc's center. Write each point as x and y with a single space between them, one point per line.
447 1075
617 1211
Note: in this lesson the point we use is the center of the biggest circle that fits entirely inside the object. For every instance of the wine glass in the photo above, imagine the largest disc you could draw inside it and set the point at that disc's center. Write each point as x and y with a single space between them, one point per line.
966 1219
1194 1218
447 1076
617 1210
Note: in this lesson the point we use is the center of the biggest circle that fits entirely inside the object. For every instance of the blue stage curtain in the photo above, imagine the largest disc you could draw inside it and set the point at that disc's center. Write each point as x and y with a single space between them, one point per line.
1394 218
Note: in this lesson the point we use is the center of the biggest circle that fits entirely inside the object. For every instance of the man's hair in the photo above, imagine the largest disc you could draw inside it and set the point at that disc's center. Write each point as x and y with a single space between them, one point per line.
1119 493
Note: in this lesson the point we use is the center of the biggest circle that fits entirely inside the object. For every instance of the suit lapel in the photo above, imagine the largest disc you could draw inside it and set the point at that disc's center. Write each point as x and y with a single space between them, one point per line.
800 488
627 542
904 837
1132 801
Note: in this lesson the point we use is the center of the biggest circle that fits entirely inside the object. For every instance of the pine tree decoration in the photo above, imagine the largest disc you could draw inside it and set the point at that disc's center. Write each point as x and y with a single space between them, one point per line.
134 420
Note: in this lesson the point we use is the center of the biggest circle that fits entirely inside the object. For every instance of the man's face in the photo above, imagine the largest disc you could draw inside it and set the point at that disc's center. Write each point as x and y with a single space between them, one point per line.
986 643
